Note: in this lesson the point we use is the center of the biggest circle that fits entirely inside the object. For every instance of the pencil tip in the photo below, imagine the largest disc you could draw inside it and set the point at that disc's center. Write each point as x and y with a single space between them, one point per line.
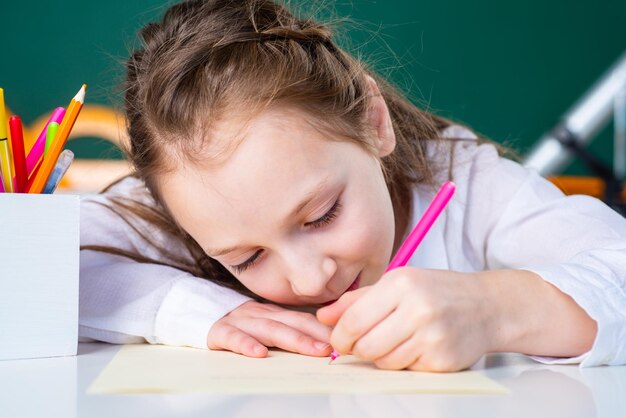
80 96
333 356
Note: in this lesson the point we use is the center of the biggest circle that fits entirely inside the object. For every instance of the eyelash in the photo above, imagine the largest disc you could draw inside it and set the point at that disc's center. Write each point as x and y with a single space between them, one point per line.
327 218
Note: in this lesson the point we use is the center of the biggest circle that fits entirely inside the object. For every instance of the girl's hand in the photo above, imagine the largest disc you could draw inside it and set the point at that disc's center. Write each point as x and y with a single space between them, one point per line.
252 327
427 320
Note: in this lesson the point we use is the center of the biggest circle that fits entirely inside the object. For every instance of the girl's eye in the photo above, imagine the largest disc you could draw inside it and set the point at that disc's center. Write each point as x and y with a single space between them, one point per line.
324 220
240 268
327 218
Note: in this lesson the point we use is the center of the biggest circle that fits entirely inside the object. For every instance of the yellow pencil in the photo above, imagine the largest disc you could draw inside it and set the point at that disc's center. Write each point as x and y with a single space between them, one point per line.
50 160
5 154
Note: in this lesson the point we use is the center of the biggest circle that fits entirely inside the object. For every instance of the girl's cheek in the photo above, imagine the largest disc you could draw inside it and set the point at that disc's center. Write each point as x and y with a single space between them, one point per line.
266 281
366 233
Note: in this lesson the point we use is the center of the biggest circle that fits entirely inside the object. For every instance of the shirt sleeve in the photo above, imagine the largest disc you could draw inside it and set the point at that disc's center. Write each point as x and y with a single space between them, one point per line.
123 301
517 219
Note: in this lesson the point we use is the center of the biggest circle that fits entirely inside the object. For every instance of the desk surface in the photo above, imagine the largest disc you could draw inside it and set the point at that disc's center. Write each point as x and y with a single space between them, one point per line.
56 387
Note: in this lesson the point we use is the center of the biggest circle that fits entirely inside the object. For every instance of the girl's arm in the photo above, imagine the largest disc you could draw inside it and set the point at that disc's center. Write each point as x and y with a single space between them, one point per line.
534 317
441 320
125 301
515 220
122 301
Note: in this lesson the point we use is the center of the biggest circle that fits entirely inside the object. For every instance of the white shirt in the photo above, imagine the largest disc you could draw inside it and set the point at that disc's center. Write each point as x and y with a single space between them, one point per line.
502 216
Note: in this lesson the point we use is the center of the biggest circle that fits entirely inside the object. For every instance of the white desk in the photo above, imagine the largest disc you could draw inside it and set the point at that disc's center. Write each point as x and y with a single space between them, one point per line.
56 387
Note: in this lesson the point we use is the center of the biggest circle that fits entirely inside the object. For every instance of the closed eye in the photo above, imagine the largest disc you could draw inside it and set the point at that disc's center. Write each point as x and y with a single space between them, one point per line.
240 268
327 218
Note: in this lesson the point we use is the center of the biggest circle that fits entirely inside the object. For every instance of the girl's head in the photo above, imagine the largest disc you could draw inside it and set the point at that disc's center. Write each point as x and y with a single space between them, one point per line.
277 153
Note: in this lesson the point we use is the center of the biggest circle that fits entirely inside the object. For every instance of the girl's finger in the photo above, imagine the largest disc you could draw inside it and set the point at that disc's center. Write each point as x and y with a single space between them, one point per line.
224 336
363 315
402 356
304 322
272 307
390 333
276 334
330 314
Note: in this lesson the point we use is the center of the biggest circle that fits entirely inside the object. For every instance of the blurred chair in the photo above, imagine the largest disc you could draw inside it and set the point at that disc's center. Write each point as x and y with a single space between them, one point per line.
592 186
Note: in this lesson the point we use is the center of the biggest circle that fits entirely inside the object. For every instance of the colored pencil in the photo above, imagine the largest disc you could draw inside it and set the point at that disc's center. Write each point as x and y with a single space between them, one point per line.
439 203
51 132
59 171
410 244
19 154
37 151
48 163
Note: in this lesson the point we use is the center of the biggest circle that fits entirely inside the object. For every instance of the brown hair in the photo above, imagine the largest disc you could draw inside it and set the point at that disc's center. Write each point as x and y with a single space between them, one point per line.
207 59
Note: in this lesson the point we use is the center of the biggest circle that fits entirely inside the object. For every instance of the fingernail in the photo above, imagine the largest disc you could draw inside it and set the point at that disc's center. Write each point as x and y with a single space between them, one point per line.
320 345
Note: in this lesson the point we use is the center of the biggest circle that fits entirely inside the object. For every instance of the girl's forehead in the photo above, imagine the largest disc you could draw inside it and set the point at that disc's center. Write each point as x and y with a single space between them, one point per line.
276 136
226 135
276 159
277 149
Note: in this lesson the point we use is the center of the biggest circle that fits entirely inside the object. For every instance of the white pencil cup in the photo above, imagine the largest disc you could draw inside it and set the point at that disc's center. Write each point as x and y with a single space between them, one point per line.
39 253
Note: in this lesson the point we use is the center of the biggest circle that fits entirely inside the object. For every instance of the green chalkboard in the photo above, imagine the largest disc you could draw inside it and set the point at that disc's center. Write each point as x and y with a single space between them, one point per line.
508 69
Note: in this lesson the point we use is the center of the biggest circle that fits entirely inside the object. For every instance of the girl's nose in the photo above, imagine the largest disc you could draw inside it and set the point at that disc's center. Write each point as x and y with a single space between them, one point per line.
309 274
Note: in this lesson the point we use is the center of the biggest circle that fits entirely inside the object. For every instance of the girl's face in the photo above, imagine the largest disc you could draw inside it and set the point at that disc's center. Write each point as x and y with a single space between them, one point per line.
297 217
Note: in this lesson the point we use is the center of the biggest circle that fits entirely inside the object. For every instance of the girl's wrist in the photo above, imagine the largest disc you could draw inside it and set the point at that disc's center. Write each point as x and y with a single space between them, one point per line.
503 325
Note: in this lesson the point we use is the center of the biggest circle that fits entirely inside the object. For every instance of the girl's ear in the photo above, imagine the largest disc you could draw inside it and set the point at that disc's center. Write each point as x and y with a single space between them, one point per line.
380 120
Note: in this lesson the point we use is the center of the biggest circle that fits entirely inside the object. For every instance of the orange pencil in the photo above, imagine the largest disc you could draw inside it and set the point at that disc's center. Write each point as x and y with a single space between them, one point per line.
48 163
19 155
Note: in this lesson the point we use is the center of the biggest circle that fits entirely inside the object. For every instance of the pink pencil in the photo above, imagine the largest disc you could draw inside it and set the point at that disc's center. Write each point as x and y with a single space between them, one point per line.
410 244
36 152
408 247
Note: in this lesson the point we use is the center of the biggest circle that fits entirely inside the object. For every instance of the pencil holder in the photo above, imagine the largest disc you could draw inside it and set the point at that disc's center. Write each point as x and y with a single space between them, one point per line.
39 253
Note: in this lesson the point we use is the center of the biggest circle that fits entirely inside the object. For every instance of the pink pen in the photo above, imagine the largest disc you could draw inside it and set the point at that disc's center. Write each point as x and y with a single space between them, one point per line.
36 152
410 244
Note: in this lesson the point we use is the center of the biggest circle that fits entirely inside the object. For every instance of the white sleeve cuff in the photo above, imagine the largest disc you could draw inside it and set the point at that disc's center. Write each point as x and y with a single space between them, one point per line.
562 360
190 309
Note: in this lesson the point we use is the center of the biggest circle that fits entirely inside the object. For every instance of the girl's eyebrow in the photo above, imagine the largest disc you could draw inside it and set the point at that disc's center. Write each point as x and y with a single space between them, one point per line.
312 194
221 251
308 197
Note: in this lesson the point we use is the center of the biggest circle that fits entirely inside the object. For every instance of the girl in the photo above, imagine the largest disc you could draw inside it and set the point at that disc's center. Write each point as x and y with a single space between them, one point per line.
272 165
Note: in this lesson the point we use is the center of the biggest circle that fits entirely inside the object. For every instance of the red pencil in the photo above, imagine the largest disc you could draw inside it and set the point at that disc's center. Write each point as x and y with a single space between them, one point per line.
19 155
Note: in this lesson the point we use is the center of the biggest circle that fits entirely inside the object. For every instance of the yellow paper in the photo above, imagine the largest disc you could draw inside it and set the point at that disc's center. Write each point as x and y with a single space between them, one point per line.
160 369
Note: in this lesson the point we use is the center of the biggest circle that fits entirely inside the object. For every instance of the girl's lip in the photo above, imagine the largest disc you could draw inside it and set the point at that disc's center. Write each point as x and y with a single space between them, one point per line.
355 284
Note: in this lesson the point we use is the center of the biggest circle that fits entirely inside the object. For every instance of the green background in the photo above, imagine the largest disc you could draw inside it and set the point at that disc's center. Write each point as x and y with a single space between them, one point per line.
508 69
